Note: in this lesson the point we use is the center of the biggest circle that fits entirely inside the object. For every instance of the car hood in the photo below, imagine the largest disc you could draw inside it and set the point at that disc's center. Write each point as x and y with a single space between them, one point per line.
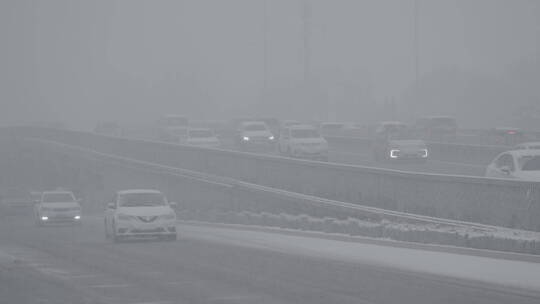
145 211
61 205
408 144
533 176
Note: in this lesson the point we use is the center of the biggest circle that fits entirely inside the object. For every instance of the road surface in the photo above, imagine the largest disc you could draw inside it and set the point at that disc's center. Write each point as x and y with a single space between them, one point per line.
75 264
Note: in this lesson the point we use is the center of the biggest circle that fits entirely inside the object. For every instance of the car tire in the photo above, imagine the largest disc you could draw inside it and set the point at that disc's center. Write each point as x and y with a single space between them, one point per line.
289 152
116 238
107 234
37 222
171 238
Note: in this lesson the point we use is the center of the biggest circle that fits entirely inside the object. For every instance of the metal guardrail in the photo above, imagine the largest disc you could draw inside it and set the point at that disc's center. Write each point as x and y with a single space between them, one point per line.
514 204
341 209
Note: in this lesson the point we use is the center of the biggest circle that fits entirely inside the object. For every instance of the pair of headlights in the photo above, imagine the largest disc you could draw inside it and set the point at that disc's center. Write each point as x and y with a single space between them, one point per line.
394 153
246 138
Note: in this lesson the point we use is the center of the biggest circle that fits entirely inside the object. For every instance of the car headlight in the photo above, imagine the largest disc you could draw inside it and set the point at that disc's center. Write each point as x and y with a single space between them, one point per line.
424 153
169 216
271 137
124 217
394 153
245 138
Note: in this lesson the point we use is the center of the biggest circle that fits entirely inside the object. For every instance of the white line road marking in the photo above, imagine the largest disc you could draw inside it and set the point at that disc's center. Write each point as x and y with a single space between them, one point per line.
84 276
110 286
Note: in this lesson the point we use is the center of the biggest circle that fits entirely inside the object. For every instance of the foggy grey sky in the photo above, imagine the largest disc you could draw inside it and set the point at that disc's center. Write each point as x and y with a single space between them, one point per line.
84 61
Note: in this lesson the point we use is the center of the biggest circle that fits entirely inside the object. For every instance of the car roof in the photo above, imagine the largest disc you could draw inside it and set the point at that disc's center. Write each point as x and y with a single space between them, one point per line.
138 191
57 192
505 128
392 123
174 116
519 153
531 143
438 116
332 123
253 122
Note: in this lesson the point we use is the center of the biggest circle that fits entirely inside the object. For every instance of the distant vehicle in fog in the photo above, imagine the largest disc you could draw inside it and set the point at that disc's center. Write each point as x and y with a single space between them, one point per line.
57 206
14 201
108 128
289 123
394 141
202 137
303 141
436 128
528 146
254 135
331 128
505 136
172 128
140 213
516 164
272 123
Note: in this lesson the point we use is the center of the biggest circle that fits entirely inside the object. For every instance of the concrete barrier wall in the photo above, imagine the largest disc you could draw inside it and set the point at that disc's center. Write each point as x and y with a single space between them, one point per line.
496 202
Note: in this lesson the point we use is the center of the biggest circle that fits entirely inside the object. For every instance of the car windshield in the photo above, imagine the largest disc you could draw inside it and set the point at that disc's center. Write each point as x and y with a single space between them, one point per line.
201 133
142 199
255 127
305 133
58 198
529 163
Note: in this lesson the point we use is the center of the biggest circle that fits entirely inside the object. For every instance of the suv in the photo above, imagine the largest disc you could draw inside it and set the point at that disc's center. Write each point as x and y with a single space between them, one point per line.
303 141
394 141
202 137
254 135
57 206
140 213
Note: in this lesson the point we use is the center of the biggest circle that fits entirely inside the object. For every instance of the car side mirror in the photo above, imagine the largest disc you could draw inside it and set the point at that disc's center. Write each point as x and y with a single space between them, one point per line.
173 205
111 206
505 169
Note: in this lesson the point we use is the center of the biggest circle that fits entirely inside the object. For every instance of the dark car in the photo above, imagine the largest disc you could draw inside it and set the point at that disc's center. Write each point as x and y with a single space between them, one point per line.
506 136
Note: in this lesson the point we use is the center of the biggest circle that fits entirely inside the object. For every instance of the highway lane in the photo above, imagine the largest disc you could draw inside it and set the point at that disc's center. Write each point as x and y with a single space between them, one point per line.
431 166
343 154
215 266
363 158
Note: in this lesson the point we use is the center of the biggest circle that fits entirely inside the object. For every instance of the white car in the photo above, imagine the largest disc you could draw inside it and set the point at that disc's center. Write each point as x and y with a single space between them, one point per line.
528 146
202 137
140 214
254 135
57 206
303 141
516 164
393 141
